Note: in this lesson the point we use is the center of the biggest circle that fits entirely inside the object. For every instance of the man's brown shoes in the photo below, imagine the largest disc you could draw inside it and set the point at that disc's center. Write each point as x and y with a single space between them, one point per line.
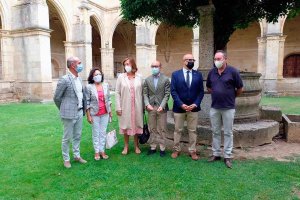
228 162
214 158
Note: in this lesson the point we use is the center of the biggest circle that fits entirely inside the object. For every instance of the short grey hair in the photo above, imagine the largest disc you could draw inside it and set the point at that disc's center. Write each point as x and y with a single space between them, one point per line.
70 60
223 52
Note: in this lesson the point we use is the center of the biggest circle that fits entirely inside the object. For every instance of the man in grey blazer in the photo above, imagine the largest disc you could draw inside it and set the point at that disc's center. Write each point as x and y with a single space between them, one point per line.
156 92
70 101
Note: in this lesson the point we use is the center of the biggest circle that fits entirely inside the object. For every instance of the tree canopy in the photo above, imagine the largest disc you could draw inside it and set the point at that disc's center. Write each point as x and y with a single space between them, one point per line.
229 14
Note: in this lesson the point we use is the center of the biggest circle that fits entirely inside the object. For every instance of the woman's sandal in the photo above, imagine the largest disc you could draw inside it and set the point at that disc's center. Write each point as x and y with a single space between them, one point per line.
104 156
97 157
125 151
137 150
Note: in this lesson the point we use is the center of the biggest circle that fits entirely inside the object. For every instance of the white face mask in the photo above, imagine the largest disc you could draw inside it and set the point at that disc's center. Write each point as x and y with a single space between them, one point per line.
128 68
97 78
219 63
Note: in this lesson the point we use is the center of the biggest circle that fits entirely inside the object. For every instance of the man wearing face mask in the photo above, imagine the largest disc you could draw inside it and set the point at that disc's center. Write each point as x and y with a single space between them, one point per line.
156 92
187 92
224 83
71 103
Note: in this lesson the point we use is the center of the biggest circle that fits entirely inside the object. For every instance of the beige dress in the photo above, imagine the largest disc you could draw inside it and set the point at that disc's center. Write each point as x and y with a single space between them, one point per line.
129 99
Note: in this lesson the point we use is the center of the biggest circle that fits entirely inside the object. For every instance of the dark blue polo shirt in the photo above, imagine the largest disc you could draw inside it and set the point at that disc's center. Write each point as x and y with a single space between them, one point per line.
223 87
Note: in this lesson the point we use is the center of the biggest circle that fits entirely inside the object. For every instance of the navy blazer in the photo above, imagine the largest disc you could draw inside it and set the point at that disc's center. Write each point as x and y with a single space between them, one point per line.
181 94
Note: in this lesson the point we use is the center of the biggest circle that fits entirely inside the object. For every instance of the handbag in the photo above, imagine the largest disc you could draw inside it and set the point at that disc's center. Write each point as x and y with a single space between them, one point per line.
144 137
111 137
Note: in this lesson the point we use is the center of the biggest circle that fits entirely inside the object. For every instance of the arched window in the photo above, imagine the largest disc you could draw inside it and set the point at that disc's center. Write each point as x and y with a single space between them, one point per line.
291 66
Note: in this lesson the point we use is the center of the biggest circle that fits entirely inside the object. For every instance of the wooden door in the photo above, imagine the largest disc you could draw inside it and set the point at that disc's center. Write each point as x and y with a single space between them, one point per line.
291 66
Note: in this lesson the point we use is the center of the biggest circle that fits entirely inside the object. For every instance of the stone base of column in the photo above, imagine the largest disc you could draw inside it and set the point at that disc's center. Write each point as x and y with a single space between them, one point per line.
34 91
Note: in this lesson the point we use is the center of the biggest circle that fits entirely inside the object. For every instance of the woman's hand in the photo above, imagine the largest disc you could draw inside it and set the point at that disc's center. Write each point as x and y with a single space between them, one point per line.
119 112
89 119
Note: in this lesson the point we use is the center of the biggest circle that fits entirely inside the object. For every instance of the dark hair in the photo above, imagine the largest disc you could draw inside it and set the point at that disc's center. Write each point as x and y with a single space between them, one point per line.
133 64
91 75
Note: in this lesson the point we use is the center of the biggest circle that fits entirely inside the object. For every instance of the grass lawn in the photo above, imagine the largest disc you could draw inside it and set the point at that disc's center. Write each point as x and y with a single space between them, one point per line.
288 105
32 167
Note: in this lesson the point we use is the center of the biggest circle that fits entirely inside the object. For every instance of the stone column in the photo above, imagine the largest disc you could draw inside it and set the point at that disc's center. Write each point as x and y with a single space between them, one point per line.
7 71
261 62
195 52
145 49
206 36
82 40
274 62
145 55
32 61
107 62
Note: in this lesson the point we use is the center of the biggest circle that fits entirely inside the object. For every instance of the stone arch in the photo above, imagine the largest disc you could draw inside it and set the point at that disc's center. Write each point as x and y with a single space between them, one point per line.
4 25
154 30
100 27
172 43
97 40
114 23
282 23
57 39
242 48
123 43
5 15
63 17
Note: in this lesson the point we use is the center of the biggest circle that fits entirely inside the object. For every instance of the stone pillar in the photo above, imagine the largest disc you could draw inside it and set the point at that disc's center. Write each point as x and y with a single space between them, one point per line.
7 71
32 61
145 48
206 36
274 61
107 62
195 52
261 62
145 55
82 40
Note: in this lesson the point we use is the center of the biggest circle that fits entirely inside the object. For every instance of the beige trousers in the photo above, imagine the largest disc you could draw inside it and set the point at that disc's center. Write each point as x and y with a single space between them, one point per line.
192 121
157 124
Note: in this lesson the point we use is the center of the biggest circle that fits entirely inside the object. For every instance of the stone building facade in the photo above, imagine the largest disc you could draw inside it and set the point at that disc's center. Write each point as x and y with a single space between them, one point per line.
38 35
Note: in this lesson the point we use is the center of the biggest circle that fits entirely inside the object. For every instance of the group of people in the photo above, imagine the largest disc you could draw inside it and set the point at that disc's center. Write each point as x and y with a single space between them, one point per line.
134 94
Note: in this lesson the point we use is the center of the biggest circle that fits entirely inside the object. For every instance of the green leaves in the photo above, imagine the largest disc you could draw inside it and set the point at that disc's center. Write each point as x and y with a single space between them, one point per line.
229 14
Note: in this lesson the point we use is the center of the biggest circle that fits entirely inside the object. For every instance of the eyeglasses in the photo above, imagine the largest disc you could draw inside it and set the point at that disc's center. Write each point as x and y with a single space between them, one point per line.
190 60
154 66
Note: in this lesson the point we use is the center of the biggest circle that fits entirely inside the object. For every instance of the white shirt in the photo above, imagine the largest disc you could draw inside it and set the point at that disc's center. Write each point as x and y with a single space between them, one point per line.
78 90
190 74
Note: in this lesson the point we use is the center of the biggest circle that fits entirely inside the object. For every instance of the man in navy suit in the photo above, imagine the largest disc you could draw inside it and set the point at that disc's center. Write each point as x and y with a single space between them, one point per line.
187 92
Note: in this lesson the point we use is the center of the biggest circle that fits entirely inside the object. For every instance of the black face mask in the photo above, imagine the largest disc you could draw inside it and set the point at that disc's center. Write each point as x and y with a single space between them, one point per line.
190 65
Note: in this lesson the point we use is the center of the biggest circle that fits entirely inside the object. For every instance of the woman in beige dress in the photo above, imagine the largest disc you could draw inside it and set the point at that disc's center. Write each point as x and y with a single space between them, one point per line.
129 104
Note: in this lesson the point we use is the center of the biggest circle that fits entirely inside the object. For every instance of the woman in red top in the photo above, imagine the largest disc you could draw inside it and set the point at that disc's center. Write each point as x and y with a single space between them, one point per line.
98 110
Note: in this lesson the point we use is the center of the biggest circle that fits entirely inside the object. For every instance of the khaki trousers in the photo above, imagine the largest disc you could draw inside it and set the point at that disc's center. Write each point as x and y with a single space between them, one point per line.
157 124
192 121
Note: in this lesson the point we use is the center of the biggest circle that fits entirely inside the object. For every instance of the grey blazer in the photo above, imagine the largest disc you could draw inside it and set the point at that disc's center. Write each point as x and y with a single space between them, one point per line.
158 96
92 100
65 97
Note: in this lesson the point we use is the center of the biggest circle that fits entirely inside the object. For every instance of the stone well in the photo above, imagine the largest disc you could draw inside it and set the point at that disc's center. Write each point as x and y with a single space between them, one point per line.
249 130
